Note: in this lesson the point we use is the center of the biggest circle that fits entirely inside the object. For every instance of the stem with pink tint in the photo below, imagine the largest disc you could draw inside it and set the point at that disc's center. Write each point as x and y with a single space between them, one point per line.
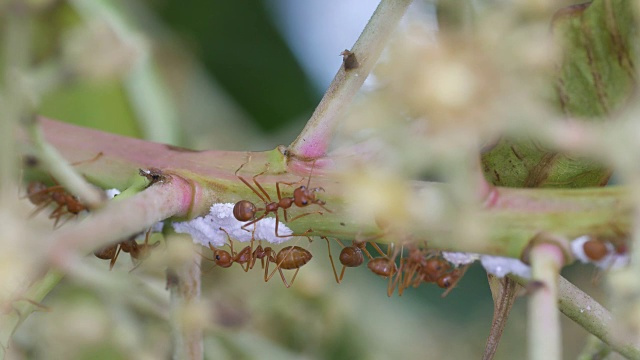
545 338
313 141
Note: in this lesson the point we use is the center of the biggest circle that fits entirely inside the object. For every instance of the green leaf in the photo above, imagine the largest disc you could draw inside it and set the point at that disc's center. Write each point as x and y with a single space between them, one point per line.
595 78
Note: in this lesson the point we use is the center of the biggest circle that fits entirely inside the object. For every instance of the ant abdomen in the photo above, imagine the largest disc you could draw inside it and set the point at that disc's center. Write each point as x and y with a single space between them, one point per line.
244 210
293 257
351 257
382 266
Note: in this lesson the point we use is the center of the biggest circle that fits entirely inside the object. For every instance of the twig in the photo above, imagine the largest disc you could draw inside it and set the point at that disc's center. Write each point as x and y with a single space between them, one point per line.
314 139
24 306
119 219
184 284
13 96
545 340
503 292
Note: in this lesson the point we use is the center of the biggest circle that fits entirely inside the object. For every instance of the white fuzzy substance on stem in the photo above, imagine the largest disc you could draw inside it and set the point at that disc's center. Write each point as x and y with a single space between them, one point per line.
205 230
503 266
495 265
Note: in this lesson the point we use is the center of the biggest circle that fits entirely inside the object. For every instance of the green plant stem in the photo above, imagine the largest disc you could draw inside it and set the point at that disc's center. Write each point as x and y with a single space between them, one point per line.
184 285
512 216
545 338
13 98
24 306
588 313
314 139
63 172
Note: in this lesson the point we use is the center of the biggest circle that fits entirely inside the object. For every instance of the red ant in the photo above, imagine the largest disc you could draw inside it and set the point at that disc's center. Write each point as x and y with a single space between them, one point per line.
425 266
246 256
386 267
245 210
350 256
288 258
137 251
41 195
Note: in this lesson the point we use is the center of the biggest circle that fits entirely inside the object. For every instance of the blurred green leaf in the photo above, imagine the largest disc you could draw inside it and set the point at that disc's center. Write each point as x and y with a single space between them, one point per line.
100 105
595 78
241 47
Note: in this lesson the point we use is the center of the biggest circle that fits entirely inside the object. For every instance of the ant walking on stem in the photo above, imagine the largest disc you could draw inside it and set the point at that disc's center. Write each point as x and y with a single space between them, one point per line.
303 196
288 258
42 196
350 256
137 251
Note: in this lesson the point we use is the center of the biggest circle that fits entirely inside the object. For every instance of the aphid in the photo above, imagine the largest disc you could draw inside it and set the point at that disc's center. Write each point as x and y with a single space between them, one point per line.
245 210
154 175
349 60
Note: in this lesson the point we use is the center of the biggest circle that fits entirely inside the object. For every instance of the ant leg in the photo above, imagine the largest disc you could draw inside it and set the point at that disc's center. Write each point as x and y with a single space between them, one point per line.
98 156
456 280
115 257
255 181
301 215
280 194
256 220
331 260
375 246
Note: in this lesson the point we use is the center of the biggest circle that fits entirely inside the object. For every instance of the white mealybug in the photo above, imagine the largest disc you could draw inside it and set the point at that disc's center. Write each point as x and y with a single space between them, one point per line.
205 230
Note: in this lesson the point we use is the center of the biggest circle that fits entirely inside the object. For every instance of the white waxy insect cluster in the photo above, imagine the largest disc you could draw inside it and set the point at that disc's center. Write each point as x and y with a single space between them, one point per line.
611 261
205 230
496 265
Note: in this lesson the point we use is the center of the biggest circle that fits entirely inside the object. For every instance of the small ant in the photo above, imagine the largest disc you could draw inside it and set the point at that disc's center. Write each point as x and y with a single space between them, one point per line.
245 210
246 256
288 258
42 196
350 256
386 267
137 251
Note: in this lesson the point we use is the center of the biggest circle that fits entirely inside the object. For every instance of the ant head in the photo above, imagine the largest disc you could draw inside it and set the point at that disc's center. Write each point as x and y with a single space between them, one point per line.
302 196
222 258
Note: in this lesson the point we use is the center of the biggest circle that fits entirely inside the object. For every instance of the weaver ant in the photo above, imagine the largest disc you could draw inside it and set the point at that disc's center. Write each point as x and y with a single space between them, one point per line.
137 251
350 256
288 258
42 196
245 210
386 267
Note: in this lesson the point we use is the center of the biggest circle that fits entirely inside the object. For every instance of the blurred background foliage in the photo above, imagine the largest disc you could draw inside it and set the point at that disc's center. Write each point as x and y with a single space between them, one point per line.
238 75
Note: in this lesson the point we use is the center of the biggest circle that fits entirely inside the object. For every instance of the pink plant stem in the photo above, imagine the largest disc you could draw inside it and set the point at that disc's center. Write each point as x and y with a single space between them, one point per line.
545 338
